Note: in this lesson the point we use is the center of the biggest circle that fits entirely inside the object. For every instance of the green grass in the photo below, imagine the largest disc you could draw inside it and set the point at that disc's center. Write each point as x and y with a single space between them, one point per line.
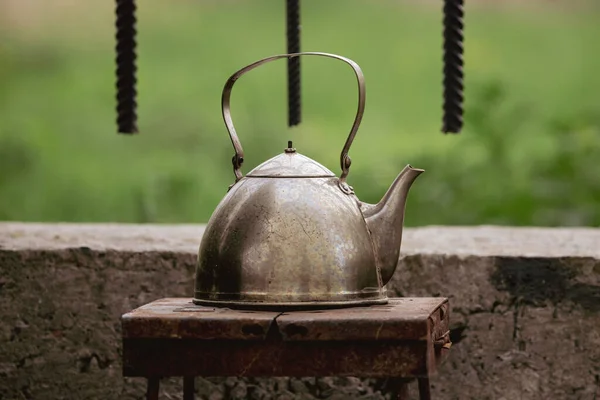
529 154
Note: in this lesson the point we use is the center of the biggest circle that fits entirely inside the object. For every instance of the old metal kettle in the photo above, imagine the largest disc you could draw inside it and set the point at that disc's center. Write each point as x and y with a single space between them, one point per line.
290 234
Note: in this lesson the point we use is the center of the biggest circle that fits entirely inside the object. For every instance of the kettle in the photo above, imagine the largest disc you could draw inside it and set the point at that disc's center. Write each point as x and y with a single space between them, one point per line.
292 235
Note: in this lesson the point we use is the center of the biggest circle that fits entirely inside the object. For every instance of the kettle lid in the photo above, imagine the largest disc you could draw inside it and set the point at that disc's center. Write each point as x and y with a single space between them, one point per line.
290 164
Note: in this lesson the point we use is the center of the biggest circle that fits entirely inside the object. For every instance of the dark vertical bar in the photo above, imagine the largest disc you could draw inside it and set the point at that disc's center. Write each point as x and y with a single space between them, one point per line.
453 66
152 390
424 389
293 67
188 388
401 391
126 67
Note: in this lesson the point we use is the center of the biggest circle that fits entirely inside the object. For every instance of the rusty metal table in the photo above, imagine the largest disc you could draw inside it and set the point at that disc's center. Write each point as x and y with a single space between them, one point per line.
406 338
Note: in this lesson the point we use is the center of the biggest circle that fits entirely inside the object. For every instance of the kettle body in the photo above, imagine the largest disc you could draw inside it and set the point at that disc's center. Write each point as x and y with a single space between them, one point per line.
291 234
280 240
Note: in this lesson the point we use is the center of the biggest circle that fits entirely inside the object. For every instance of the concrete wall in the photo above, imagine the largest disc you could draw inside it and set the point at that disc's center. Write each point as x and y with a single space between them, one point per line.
525 311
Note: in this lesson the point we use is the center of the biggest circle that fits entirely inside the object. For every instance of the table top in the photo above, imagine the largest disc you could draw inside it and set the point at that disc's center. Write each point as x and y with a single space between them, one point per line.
404 319
407 337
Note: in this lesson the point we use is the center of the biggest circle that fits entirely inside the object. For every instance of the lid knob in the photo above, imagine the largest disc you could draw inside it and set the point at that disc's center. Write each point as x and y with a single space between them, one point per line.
290 149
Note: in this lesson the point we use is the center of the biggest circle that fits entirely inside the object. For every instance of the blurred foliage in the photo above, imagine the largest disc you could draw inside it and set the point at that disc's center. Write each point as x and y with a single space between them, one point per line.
529 154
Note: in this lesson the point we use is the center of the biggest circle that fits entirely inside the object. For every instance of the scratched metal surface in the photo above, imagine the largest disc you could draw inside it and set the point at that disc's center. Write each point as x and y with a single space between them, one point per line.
401 319
179 318
244 358
291 241
174 337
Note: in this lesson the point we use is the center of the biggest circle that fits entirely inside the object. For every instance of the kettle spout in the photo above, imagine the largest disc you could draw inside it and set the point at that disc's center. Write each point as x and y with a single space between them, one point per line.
385 221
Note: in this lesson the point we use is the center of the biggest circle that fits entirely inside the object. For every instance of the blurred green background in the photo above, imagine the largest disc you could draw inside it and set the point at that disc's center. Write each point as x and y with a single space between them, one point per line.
529 153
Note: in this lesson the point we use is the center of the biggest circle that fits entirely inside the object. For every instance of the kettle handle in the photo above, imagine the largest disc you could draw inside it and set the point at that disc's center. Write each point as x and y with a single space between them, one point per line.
345 160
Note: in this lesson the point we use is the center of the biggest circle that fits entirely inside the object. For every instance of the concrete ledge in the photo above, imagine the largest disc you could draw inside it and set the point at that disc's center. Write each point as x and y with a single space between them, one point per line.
482 241
525 310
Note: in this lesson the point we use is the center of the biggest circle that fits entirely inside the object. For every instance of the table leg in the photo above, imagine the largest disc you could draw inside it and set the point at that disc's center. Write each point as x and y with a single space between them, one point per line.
152 389
424 390
399 389
188 388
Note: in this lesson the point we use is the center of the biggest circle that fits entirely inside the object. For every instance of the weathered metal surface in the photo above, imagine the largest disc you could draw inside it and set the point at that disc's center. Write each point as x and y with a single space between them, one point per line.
287 241
293 68
453 66
188 388
345 161
424 389
126 66
416 319
164 357
290 164
400 389
152 389
291 234
179 318
173 337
